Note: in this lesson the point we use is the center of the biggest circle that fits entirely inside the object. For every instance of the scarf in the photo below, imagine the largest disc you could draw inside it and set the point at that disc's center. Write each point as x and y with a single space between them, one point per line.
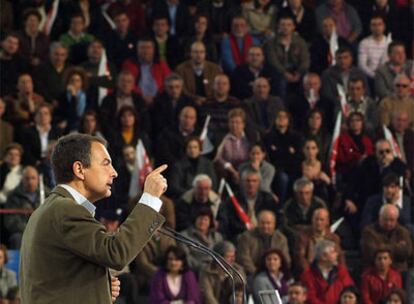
238 57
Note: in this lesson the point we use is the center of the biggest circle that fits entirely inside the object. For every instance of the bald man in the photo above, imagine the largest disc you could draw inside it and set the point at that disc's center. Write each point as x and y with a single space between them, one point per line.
387 232
252 244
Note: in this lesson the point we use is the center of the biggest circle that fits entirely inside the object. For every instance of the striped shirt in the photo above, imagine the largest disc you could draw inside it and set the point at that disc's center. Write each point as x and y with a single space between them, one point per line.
372 54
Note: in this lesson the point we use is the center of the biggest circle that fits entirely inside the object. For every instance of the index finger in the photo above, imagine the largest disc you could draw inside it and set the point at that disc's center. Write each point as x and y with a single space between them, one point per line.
159 170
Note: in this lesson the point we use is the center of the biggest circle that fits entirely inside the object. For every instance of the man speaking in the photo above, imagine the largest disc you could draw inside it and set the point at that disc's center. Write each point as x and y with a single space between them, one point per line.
66 253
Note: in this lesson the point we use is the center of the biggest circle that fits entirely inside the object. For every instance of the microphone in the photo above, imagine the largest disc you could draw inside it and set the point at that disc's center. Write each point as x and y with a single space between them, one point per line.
216 257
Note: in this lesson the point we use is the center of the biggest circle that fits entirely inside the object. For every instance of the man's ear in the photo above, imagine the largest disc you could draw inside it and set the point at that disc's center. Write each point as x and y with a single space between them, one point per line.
78 170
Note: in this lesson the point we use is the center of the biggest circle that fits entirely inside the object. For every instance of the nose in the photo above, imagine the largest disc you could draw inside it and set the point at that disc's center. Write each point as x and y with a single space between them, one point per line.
114 173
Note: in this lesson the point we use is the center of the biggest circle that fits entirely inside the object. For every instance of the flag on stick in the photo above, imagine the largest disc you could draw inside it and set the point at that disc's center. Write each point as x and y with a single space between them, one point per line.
333 154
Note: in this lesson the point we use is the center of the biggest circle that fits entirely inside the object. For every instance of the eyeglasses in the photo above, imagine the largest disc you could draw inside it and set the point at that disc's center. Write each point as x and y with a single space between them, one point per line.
385 151
401 85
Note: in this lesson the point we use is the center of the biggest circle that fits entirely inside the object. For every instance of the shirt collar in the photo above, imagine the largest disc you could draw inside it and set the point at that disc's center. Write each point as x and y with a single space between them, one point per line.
80 199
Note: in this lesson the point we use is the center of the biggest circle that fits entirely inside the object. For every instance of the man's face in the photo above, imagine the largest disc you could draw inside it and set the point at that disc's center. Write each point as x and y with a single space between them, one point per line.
391 192
129 154
388 220
222 85
230 256
201 24
239 27
32 23
383 261
43 116
312 83
304 195
95 51
282 120
202 190
377 26
122 23
383 153
198 53
11 45
400 122
146 51
25 84
13 157
174 89
286 27
344 61
297 295
126 83
188 118
266 223
331 255
402 87
251 184
261 88
356 90
320 220
193 149
30 180
160 27
77 25
58 56
255 57
98 178
397 55
328 27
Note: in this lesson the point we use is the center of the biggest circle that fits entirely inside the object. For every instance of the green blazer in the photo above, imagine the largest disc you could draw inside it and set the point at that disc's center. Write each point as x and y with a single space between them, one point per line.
66 252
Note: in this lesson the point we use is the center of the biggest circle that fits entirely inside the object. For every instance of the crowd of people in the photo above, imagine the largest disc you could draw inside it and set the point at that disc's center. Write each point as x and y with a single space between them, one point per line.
287 128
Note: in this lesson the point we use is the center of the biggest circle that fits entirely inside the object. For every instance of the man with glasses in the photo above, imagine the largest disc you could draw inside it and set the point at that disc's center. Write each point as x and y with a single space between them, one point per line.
400 101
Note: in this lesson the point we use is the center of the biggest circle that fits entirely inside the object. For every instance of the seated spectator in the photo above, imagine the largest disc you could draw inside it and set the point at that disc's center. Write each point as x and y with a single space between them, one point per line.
235 47
150 260
128 131
304 17
198 74
386 73
202 231
372 51
77 39
120 41
340 74
387 233
378 279
283 146
170 146
12 62
6 130
297 293
288 53
272 274
252 245
244 76
325 45
35 139
123 95
24 103
169 103
218 107
213 278
325 278
89 124
235 146
178 15
252 201
149 71
309 99
45 166
200 196
174 281
99 85
312 170
310 236
10 170
400 101
410 285
346 17
396 296
298 210
34 44
167 45
26 197
73 102
49 76
391 194
186 169
258 162
354 146
316 129
350 295
201 32
8 277
261 108
261 18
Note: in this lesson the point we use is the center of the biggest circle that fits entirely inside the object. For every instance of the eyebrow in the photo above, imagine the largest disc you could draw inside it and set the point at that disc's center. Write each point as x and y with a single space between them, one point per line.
108 160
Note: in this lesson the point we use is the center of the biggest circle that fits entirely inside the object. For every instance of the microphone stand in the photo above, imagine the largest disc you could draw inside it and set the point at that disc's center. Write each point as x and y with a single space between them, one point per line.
218 258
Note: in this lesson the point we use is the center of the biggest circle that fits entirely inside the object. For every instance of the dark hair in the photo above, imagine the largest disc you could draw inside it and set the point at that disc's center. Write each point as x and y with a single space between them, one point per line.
287 16
118 12
357 79
396 291
205 211
44 105
265 8
354 290
342 50
193 138
299 284
6 255
179 254
76 71
14 146
378 15
122 111
284 267
383 249
69 149
390 179
394 44
77 15
83 119
31 12
356 113
160 17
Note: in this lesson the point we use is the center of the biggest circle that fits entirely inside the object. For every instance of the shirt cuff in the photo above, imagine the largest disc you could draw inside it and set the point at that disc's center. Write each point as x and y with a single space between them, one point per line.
151 201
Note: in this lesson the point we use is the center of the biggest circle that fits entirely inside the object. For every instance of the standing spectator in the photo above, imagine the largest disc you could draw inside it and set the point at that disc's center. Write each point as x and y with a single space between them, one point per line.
244 75
346 18
177 13
397 64
198 74
174 281
77 39
8 277
34 44
49 76
325 278
10 170
148 70
380 278
288 53
6 130
261 16
253 244
387 232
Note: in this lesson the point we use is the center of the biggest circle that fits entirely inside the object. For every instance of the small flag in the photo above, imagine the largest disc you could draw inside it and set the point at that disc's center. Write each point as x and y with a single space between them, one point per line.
41 189
333 154
336 225
394 145
240 212
333 46
103 70
51 17
342 99
141 169
207 145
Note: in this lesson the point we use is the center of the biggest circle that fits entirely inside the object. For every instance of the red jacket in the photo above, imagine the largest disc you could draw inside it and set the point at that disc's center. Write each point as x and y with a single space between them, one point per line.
374 289
159 71
321 291
348 153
